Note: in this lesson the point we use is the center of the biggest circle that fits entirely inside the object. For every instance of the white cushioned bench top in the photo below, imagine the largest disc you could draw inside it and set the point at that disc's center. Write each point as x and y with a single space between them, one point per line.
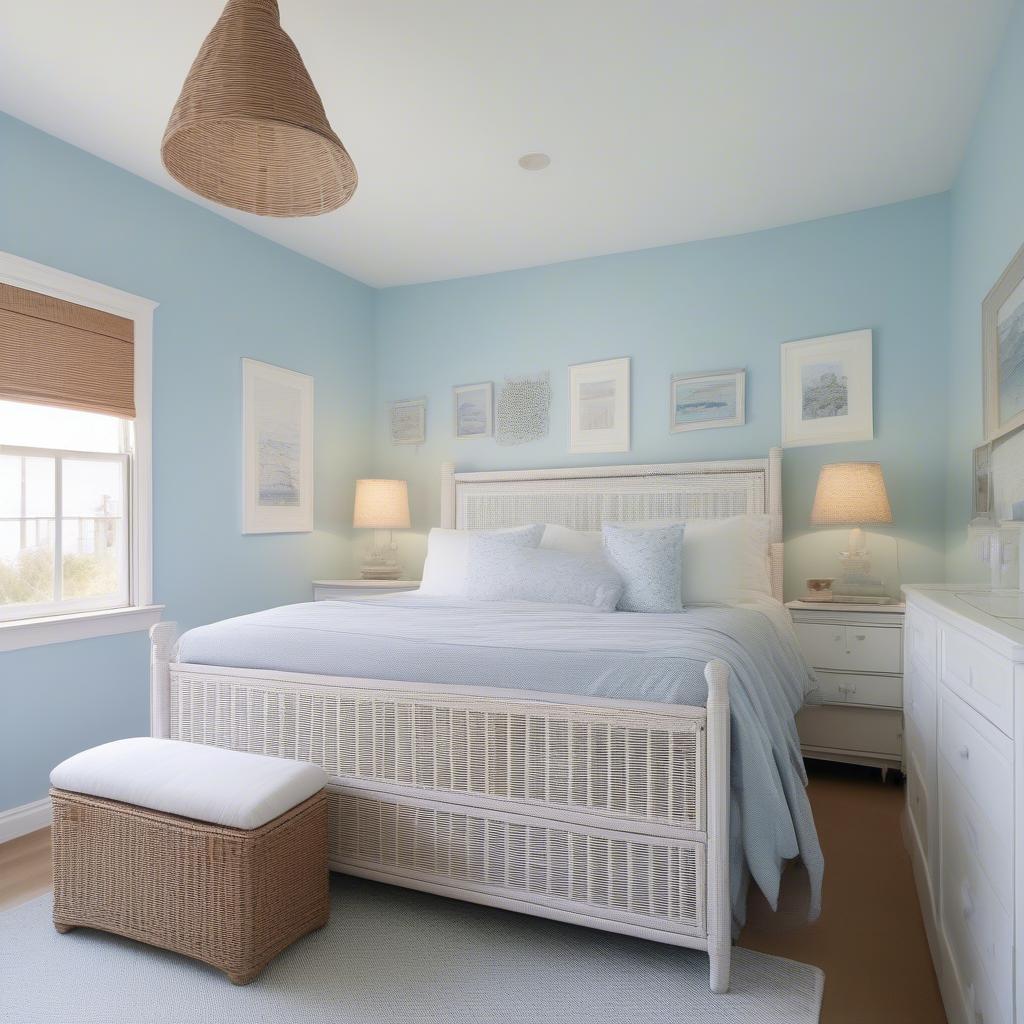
224 787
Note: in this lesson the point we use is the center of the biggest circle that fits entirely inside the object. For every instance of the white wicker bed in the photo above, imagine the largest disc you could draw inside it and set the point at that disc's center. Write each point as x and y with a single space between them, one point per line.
607 813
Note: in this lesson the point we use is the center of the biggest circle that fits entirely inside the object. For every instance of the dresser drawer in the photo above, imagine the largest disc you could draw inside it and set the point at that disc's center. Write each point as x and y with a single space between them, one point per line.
920 642
847 688
978 929
917 800
851 648
865 730
980 757
984 844
983 679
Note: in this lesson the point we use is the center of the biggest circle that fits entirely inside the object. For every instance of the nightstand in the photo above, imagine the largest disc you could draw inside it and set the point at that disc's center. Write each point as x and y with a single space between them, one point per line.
345 590
856 652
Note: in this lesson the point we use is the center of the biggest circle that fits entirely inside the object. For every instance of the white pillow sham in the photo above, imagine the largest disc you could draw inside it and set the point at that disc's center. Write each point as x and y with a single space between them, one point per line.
501 572
725 561
444 571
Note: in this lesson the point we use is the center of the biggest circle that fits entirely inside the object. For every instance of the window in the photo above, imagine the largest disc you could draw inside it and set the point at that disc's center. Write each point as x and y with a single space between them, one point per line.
75 444
65 526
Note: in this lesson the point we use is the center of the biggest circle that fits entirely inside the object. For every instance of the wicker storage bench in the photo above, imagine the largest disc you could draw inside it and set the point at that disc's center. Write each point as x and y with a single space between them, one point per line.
232 892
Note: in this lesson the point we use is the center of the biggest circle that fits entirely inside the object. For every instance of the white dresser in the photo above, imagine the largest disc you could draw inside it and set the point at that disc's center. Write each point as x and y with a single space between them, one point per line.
965 794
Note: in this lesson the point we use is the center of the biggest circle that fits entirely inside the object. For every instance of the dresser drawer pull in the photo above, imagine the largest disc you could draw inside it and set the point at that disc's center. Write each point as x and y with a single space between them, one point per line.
964 752
979 1017
966 903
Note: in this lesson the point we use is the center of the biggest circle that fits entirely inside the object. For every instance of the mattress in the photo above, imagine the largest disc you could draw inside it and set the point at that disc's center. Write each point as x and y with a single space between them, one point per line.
567 649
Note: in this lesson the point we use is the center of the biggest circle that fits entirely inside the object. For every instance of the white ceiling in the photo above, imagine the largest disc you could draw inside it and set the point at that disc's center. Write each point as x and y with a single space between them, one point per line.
666 120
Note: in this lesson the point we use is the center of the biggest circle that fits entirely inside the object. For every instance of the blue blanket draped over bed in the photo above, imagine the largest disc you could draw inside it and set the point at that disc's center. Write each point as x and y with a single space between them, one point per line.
567 649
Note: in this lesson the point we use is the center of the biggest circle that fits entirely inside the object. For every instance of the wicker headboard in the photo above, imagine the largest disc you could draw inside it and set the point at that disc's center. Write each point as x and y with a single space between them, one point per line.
584 498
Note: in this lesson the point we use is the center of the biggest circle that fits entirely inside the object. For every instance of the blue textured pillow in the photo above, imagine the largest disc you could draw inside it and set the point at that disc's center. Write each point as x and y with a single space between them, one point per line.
505 573
650 562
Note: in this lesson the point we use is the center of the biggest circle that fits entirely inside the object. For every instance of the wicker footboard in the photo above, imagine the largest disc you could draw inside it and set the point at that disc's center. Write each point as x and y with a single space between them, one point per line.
612 814
229 897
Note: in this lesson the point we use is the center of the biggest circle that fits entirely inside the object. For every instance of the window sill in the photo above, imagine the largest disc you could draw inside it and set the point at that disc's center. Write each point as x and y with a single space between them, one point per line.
59 629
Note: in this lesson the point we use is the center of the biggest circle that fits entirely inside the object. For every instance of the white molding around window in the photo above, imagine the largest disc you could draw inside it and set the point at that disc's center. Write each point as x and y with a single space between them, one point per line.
141 613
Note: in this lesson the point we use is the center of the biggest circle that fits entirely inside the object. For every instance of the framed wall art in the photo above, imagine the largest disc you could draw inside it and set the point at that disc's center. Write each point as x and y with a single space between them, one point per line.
826 390
408 421
599 406
698 401
1002 333
277 444
473 408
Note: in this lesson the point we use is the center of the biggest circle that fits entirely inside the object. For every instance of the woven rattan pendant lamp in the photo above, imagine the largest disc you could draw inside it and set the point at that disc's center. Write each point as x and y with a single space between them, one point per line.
249 128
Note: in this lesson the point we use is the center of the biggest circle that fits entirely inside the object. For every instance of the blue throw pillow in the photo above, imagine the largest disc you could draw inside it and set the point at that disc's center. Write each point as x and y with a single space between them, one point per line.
506 573
650 561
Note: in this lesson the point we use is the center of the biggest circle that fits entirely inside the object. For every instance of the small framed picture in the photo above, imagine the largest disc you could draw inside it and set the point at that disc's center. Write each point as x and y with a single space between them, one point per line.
981 501
473 408
826 390
702 400
599 406
409 421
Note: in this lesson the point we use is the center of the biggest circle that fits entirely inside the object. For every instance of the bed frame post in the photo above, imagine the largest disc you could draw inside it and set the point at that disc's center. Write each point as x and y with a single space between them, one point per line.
719 906
161 643
448 495
775 520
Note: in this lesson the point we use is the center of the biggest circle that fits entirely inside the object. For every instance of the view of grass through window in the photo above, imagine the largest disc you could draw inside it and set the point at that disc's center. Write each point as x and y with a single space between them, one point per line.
62 495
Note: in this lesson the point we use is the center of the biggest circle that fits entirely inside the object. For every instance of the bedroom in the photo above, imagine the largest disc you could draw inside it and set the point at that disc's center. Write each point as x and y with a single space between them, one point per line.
802 243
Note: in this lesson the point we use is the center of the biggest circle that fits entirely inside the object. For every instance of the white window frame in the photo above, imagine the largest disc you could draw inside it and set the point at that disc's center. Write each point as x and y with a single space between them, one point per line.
140 613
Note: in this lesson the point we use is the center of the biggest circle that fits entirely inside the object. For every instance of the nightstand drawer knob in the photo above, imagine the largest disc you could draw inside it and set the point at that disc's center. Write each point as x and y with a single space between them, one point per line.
859 636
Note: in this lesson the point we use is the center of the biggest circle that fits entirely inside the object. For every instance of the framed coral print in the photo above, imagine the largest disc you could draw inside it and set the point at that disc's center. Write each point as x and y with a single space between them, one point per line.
474 410
701 400
1002 335
826 390
599 406
277 442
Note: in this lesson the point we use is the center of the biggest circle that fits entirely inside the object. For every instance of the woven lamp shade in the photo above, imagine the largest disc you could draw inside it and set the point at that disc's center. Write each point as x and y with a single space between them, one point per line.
249 129
381 505
851 494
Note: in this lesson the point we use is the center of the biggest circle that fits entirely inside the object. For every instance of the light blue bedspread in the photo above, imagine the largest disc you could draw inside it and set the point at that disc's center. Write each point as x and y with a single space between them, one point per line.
568 649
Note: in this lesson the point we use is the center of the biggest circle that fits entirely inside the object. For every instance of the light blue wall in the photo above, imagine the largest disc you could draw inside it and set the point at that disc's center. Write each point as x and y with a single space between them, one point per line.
700 306
987 228
224 293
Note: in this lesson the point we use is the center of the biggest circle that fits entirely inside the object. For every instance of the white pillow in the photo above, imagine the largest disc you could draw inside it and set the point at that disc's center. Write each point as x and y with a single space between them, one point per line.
444 571
500 572
725 560
576 542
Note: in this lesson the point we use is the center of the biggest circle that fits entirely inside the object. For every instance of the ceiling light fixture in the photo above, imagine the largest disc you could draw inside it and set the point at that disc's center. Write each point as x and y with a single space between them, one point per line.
534 161
249 129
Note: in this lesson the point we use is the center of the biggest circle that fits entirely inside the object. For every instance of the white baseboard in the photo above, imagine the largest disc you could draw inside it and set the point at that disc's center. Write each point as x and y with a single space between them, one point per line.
19 821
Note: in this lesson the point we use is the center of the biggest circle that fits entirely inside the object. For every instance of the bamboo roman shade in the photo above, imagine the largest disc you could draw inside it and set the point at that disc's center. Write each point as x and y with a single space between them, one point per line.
54 352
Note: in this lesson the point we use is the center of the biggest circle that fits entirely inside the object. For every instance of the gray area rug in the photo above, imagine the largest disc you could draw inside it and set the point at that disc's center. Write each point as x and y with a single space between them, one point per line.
393 955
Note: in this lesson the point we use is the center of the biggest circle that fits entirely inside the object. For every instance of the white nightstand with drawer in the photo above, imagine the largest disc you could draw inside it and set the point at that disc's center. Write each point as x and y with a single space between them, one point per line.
345 590
856 652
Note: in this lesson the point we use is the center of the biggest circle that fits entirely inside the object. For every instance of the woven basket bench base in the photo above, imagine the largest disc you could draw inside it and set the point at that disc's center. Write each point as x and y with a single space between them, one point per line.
229 897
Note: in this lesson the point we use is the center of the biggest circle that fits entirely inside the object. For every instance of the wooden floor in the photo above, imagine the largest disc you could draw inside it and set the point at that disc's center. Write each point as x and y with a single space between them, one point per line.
869 939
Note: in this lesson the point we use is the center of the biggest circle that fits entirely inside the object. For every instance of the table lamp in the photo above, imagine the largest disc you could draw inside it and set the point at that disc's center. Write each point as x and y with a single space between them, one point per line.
381 505
853 494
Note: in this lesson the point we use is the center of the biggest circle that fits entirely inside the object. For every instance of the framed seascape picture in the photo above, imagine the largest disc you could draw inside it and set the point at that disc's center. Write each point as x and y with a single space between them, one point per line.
981 500
409 421
474 410
599 406
1002 330
826 390
277 442
701 400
